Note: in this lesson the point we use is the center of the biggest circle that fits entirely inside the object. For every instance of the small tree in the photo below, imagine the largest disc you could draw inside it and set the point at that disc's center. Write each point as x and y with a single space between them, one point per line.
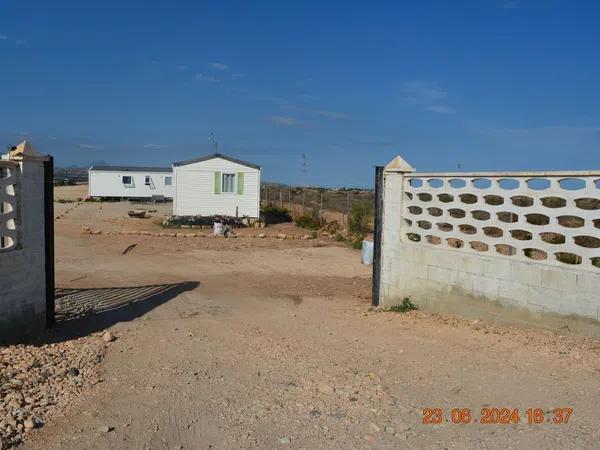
360 217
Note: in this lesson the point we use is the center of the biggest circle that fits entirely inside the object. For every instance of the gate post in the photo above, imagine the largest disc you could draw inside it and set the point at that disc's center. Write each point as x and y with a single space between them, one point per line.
377 236
389 212
49 238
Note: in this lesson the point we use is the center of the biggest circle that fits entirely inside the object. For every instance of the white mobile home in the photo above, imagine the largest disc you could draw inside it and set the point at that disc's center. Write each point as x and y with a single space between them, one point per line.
216 185
130 182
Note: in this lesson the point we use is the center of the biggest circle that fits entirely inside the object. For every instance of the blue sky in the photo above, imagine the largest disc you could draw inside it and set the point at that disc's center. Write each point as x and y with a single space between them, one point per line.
487 84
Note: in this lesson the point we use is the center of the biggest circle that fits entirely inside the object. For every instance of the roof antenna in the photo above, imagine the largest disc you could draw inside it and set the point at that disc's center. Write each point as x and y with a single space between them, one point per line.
213 141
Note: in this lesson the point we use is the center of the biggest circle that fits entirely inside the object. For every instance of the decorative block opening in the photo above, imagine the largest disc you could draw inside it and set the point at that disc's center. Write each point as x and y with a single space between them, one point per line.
554 202
6 207
416 210
455 243
521 235
589 204
480 215
468 198
456 213
572 184
568 258
479 246
522 201
457 183
415 182
435 183
507 217
467 229
6 242
508 184
505 249
433 239
436 212
443 226
445 198
537 219
534 253
424 224
424 197
413 237
482 183
538 184
587 241
494 200
571 221
553 238
493 232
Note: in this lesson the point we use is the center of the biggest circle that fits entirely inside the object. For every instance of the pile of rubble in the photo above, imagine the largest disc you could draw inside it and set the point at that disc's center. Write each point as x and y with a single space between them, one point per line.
38 382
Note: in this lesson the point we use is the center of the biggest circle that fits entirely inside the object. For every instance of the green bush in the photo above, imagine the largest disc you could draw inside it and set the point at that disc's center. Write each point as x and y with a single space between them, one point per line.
339 237
360 217
405 306
310 220
356 243
273 214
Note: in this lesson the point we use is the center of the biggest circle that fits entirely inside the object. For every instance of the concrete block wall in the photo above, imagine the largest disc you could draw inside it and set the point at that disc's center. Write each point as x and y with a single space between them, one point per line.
482 285
22 270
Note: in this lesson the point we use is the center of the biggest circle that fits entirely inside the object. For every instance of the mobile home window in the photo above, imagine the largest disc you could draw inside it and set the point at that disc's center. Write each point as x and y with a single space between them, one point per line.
168 181
228 182
147 180
127 180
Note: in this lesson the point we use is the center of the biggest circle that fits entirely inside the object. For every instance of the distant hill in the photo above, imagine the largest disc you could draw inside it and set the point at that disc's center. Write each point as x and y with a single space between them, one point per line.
71 174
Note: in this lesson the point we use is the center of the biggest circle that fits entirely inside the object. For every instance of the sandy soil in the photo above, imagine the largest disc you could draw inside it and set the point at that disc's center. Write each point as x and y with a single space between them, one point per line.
265 343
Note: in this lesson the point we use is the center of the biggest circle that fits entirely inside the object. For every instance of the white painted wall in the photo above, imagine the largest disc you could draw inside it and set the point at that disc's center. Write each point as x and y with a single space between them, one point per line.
109 184
195 190
486 284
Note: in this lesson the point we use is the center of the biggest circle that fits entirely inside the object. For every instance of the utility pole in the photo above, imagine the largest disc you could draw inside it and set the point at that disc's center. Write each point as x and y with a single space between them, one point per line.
213 141
303 179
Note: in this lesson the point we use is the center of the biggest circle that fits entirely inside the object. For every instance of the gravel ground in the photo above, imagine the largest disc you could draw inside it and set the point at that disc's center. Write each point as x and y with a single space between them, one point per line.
266 343
37 382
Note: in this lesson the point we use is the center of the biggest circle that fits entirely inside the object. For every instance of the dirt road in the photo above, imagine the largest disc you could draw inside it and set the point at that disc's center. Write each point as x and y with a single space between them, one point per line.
261 343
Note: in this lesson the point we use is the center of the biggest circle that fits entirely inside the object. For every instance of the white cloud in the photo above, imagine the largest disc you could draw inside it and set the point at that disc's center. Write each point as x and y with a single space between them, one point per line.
21 42
424 91
427 95
3 37
181 67
203 77
285 121
219 66
330 114
90 146
155 146
238 75
509 4
551 130
440 109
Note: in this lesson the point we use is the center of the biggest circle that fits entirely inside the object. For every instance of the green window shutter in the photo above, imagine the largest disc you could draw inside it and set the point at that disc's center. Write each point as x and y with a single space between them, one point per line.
240 183
217 182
